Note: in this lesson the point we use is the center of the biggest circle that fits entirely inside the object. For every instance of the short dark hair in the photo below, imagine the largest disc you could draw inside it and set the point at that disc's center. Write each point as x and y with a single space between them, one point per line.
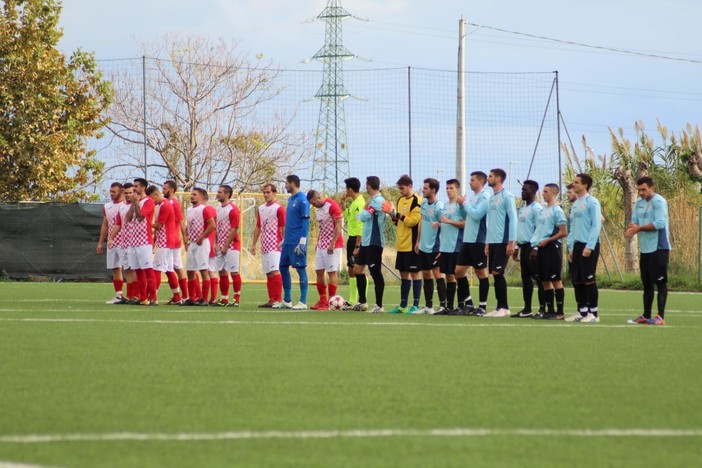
586 179
480 175
293 179
645 180
570 186
271 186
116 184
555 188
127 185
171 184
532 183
455 182
227 189
373 182
202 192
433 183
142 182
353 183
499 172
151 189
404 180
311 194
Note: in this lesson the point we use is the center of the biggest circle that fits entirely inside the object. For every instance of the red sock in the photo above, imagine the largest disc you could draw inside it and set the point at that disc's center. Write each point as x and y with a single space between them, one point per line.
172 281
118 286
322 290
192 289
142 284
183 282
214 288
130 290
332 290
158 277
224 286
198 289
236 285
151 288
278 288
269 287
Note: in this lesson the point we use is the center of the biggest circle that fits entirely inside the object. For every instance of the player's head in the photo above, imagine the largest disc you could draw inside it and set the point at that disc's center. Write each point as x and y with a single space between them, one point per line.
477 181
155 194
497 177
353 184
645 187
115 191
128 191
570 193
453 188
315 198
169 188
430 188
198 195
140 185
372 183
269 193
224 193
551 192
292 183
582 183
404 185
529 189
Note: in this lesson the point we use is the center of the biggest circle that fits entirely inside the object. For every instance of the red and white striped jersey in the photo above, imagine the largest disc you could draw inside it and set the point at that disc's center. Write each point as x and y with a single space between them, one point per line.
175 225
111 213
164 234
227 219
326 216
125 237
142 229
197 216
270 219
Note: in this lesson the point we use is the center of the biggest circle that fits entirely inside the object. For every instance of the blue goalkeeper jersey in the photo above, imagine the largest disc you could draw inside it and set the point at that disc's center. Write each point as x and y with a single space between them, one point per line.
502 218
527 216
373 219
476 208
550 219
587 222
297 219
451 237
653 211
429 237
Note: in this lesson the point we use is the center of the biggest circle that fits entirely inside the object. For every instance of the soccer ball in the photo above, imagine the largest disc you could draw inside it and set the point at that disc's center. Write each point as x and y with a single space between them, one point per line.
336 303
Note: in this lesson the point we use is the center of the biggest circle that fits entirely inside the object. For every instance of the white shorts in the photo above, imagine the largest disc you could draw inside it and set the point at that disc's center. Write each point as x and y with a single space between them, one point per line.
140 257
271 261
116 258
177 259
324 261
163 260
228 262
198 256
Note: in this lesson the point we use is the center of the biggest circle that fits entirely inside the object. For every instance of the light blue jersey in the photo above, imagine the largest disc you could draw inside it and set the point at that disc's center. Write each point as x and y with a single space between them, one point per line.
526 225
653 211
586 224
476 208
571 220
431 213
373 219
502 218
550 219
451 237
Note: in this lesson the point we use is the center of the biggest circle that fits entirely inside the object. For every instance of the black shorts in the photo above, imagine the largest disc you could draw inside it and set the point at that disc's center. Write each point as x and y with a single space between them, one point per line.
350 245
447 263
497 258
371 255
654 267
429 261
407 262
526 265
550 262
584 269
472 254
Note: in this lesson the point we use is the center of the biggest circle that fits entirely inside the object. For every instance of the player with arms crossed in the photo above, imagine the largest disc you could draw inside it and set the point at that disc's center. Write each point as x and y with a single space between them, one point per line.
228 246
270 227
141 214
450 240
163 233
330 244
201 223
428 247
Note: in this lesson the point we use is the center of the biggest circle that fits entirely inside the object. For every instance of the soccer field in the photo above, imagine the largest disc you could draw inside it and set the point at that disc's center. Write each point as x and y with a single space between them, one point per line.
84 384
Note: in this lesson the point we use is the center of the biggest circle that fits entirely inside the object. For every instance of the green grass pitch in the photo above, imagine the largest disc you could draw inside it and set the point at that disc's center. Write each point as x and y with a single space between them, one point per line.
84 384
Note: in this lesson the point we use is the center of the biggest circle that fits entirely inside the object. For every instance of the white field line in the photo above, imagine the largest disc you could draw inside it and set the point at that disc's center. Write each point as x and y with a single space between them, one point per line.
9 464
481 324
354 433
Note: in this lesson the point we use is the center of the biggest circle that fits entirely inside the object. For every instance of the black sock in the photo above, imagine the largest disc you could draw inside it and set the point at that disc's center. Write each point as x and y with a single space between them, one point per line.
540 295
441 290
361 286
501 291
450 293
648 294
405 287
548 297
662 298
581 297
379 287
560 300
527 293
463 289
429 292
483 290
416 292
593 295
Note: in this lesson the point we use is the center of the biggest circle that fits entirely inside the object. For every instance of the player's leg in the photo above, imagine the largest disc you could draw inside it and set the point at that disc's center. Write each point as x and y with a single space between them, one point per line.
376 273
353 288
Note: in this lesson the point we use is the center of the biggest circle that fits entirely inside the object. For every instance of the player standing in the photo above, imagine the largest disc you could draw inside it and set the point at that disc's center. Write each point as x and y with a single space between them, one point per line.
122 235
428 247
270 226
177 279
406 217
369 248
201 224
450 240
585 248
163 234
294 251
141 214
115 256
354 229
228 246
650 222
330 244
527 215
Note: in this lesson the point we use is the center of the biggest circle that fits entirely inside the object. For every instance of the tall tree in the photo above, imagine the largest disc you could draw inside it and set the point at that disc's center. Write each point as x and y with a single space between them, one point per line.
49 107
201 108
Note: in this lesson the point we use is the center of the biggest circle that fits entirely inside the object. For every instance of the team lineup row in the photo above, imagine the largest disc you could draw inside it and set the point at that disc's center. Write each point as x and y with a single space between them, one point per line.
436 243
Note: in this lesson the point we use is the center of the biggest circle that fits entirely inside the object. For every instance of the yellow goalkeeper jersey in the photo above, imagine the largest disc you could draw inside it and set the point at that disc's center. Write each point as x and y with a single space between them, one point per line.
408 218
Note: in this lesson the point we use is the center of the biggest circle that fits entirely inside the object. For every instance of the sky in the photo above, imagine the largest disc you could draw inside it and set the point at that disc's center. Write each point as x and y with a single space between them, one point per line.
598 88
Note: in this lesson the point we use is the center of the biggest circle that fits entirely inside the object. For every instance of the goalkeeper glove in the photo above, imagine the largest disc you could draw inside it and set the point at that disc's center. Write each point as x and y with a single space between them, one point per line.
301 248
388 208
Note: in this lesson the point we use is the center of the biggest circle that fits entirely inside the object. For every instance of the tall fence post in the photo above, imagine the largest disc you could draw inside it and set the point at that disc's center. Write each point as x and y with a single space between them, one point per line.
143 76
409 116
699 246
